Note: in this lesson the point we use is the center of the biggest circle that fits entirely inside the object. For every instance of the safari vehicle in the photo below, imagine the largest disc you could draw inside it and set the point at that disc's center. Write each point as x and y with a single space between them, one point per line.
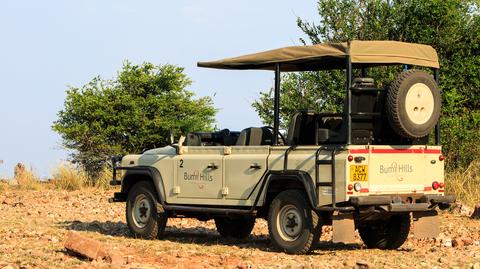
368 168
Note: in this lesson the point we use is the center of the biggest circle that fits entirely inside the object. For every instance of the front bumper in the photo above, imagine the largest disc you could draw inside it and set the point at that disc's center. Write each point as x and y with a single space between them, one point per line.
392 203
118 197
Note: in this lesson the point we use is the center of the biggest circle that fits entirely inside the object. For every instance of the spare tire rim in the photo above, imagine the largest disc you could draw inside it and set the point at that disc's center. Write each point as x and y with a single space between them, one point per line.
289 222
419 103
141 211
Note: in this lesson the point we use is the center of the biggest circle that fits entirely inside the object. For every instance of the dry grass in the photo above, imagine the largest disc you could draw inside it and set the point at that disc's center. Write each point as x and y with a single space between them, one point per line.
465 183
66 176
27 179
3 186
103 179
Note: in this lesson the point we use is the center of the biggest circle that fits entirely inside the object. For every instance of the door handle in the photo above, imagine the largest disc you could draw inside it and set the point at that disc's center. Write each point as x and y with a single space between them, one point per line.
255 166
212 166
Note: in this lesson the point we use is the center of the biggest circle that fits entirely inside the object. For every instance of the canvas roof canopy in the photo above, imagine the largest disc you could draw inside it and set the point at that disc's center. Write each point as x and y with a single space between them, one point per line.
333 56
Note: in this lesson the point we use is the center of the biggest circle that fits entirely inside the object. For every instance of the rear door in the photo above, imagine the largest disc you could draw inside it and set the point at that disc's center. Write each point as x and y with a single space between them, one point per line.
244 168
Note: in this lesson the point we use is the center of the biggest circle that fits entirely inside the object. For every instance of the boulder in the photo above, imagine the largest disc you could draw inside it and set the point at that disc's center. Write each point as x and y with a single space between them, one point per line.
91 249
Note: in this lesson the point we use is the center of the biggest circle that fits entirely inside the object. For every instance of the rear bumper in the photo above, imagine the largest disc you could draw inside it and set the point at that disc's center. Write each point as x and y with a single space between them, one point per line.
390 203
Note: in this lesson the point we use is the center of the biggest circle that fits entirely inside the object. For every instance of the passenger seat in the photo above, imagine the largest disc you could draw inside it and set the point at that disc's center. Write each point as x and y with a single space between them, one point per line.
255 136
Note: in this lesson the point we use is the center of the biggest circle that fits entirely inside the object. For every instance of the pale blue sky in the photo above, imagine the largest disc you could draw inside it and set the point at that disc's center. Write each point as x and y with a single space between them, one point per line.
47 45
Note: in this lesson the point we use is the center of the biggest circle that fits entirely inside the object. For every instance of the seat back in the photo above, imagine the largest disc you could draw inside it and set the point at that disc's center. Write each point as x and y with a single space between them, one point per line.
218 138
255 136
303 128
363 101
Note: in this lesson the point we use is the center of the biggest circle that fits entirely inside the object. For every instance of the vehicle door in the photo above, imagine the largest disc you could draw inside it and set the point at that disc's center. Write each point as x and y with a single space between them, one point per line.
199 172
244 167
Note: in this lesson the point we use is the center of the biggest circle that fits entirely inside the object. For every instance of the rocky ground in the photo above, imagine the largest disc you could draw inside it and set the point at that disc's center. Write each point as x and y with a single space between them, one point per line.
33 225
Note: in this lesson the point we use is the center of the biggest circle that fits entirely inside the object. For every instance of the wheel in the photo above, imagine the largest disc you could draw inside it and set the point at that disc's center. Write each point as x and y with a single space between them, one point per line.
293 226
145 216
235 227
386 234
413 104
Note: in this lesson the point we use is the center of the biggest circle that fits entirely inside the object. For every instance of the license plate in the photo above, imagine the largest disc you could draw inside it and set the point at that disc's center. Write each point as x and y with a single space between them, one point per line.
359 173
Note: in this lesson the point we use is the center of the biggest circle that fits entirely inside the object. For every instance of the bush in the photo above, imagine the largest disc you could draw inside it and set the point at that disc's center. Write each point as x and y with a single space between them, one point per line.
464 183
142 108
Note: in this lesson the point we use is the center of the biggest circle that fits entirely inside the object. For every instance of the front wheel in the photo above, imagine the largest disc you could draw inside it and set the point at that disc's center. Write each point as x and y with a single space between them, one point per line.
145 216
293 226
389 233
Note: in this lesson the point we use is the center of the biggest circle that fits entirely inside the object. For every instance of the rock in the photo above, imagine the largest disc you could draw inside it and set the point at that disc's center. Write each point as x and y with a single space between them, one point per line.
466 211
476 265
457 243
468 241
361 265
91 249
53 239
7 201
114 257
476 212
129 259
447 242
11 267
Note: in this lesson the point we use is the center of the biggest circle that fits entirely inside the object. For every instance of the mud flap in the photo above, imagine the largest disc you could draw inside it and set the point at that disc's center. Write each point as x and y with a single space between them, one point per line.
343 227
426 224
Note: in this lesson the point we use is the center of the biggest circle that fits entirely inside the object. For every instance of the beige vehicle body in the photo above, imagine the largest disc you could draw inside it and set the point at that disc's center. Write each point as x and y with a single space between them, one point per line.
369 167
404 171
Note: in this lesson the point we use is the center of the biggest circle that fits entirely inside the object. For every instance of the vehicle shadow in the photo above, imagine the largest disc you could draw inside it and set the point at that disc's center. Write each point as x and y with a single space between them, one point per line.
198 235
194 235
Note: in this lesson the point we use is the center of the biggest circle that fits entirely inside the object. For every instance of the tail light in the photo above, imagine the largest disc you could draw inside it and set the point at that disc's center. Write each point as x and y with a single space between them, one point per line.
441 158
435 185
350 158
441 185
350 187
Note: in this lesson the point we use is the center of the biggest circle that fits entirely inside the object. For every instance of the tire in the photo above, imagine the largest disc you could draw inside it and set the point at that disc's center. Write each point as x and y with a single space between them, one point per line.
145 216
235 227
413 104
386 234
291 208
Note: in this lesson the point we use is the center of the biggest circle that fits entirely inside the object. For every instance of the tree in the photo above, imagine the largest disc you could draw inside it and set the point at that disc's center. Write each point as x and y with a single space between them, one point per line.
450 26
140 109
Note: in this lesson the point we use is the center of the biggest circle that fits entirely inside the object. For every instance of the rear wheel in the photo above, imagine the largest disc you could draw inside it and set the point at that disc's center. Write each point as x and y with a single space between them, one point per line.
293 226
386 234
235 227
145 216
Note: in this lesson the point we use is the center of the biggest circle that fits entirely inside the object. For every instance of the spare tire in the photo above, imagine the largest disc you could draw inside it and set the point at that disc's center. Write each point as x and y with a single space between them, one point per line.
413 104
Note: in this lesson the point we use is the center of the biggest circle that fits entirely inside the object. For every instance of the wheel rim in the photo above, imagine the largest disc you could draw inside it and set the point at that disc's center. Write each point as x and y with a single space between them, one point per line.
290 223
141 211
419 103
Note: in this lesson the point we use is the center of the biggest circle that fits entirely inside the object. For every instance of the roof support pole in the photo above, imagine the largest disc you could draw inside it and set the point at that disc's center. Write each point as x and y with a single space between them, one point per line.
276 105
436 76
348 116
364 72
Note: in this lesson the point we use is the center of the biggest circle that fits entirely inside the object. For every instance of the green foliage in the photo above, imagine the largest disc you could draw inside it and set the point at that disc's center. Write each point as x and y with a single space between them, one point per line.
138 110
450 26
